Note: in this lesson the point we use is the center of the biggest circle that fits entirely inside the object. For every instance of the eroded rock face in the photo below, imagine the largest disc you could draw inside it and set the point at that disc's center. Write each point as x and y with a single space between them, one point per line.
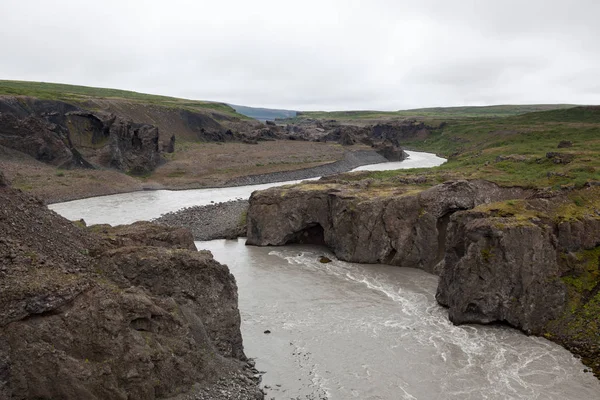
405 229
66 136
130 312
32 136
390 151
134 147
496 270
535 273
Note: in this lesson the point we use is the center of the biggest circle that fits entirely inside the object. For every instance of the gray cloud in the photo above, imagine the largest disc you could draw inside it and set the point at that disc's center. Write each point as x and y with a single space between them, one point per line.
379 54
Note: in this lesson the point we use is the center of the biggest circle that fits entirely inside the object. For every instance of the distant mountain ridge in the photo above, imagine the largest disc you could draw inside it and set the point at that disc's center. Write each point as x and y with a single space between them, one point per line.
263 114
505 110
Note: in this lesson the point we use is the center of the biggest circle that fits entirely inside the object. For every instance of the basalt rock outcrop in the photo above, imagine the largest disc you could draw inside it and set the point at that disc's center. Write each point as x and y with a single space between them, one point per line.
391 151
502 265
104 312
531 269
67 136
501 271
386 139
402 228
33 136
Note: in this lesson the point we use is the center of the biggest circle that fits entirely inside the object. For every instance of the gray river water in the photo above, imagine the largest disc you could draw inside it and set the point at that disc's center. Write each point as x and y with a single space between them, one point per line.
352 331
126 208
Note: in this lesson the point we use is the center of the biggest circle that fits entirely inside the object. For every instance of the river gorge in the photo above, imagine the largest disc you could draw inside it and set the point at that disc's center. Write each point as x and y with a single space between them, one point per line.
343 330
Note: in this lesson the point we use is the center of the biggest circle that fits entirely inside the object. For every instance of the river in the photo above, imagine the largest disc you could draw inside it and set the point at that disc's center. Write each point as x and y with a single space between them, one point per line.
351 331
125 208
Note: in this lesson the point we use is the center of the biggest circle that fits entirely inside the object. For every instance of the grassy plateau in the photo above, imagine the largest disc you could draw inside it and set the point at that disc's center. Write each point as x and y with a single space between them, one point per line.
79 94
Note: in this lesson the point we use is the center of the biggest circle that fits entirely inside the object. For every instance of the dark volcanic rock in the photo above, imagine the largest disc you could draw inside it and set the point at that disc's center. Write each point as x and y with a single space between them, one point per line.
119 143
390 151
498 270
129 312
32 136
403 130
536 274
560 158
133 147
565 143
67 136
406 230
346 139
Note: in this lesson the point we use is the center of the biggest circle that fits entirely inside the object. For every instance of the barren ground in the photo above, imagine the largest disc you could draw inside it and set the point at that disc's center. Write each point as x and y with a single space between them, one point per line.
193 165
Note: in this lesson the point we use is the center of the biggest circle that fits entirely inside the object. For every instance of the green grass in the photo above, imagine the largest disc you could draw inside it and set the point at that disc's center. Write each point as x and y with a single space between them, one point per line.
475 147
78 94
433 113
579 323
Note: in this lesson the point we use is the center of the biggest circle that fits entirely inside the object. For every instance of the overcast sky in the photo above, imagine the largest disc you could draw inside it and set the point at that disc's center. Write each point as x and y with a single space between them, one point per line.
313 55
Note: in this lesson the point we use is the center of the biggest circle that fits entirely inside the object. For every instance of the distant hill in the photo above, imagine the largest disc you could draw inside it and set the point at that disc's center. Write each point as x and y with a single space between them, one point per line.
188 120
580 114
498 110
79 94
436 112
263 114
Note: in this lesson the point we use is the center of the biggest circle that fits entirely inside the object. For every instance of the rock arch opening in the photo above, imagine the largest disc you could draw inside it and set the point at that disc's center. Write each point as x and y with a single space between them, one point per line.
313 233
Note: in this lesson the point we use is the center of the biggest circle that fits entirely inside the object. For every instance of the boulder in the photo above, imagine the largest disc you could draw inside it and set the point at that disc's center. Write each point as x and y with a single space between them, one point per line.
564 144
560 158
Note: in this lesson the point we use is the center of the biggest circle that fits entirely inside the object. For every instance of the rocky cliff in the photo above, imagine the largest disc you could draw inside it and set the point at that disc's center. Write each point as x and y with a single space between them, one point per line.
386 138
403 226
130 312
508 255
66 136
525 264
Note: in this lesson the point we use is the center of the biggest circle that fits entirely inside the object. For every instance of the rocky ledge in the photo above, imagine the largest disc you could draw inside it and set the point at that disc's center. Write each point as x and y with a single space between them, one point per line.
504 254
131 312
403 225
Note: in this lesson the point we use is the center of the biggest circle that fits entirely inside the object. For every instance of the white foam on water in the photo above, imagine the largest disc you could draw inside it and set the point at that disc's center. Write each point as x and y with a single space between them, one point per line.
473 362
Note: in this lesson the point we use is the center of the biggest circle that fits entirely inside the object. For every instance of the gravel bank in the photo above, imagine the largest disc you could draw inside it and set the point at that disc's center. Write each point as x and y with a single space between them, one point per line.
352 159
214 221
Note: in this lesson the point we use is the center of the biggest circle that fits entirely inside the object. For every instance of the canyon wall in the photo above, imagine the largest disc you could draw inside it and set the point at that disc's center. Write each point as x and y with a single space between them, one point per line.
504 254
